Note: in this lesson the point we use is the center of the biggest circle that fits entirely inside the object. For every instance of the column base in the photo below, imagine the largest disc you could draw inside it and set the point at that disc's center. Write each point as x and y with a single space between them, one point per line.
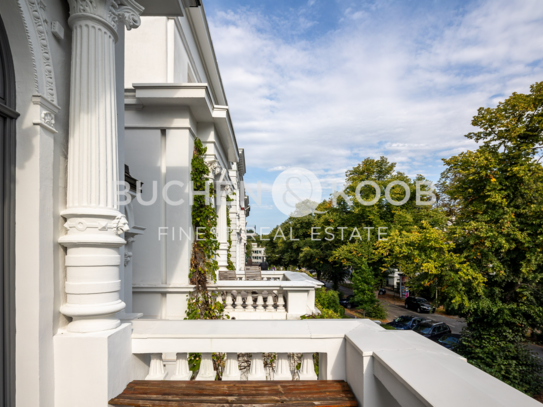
87 325
98 318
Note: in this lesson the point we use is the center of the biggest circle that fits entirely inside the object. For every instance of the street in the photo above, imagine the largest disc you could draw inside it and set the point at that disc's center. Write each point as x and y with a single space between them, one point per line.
396 309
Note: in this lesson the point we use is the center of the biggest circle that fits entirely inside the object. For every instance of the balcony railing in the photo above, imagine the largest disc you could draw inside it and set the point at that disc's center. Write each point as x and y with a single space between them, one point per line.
279 295
383 368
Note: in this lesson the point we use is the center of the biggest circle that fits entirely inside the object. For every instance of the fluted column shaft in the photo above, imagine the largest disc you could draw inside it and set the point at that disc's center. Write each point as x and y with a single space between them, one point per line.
93 222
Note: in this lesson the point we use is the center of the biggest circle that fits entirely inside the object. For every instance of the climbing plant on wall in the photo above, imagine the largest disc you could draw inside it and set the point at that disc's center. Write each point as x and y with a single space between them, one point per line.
229 225
203 264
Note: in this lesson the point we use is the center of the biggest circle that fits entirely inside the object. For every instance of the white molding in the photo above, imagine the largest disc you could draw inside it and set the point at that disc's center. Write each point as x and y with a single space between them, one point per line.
44 74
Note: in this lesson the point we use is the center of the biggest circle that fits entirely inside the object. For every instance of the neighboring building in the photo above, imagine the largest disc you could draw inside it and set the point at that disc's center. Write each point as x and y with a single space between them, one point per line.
173 94
258 254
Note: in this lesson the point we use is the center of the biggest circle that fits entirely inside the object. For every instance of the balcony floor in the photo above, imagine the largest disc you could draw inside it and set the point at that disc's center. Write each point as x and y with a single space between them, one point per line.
239 393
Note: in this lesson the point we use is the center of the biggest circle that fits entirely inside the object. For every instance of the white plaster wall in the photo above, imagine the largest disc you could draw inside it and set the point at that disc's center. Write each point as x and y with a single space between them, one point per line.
179 148
161 50
144 150
146 52
161 157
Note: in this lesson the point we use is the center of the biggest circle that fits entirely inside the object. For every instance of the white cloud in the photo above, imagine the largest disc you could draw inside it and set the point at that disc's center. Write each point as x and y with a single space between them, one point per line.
278 168
404 89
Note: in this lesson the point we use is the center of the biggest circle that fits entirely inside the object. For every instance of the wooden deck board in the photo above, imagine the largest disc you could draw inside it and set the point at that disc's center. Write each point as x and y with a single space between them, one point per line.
323 393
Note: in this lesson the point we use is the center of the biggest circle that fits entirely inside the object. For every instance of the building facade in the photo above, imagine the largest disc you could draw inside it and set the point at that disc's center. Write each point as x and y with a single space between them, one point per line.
94 93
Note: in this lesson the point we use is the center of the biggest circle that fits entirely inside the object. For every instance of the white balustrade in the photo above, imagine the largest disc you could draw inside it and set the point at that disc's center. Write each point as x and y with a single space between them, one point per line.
232 371
254 300
382 367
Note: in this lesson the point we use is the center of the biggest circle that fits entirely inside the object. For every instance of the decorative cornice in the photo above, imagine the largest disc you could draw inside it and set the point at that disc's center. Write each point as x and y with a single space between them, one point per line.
39 47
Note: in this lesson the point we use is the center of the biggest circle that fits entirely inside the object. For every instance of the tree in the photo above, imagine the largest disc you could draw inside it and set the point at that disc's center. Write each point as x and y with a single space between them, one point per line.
488 261
363 278
312 241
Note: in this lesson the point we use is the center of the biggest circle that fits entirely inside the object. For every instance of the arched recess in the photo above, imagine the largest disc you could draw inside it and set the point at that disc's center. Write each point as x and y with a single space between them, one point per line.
8 117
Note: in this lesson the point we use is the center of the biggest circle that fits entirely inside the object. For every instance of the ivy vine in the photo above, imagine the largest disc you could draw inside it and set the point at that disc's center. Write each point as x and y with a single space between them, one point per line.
203 304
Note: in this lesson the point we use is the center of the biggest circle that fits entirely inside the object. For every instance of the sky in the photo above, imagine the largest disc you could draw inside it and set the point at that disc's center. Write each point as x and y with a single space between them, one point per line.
323 84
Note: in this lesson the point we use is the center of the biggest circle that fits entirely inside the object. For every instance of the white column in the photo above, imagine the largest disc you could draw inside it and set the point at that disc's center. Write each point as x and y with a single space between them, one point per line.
93 222
222 229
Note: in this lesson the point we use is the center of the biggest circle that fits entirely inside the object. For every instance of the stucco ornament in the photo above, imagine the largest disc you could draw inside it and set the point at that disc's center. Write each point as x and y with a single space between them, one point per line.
48 118
121 224
127 257
214 167
129 17
112 11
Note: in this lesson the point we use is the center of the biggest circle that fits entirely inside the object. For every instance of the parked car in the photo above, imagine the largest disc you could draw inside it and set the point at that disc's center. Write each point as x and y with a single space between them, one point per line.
347 302
419 304
450 341
382 291
432 330
406 322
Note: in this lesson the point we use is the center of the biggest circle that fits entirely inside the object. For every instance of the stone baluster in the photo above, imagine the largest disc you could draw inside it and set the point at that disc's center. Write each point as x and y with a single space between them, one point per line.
257 371
229 302
282 370
259 302
307 369
219 297
182 371
231 368
156 368
206 371
249 302
280 302
94 223
239 301
269 302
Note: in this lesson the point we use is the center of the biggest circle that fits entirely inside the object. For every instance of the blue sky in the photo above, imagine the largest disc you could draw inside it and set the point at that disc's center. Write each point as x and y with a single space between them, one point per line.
323 84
